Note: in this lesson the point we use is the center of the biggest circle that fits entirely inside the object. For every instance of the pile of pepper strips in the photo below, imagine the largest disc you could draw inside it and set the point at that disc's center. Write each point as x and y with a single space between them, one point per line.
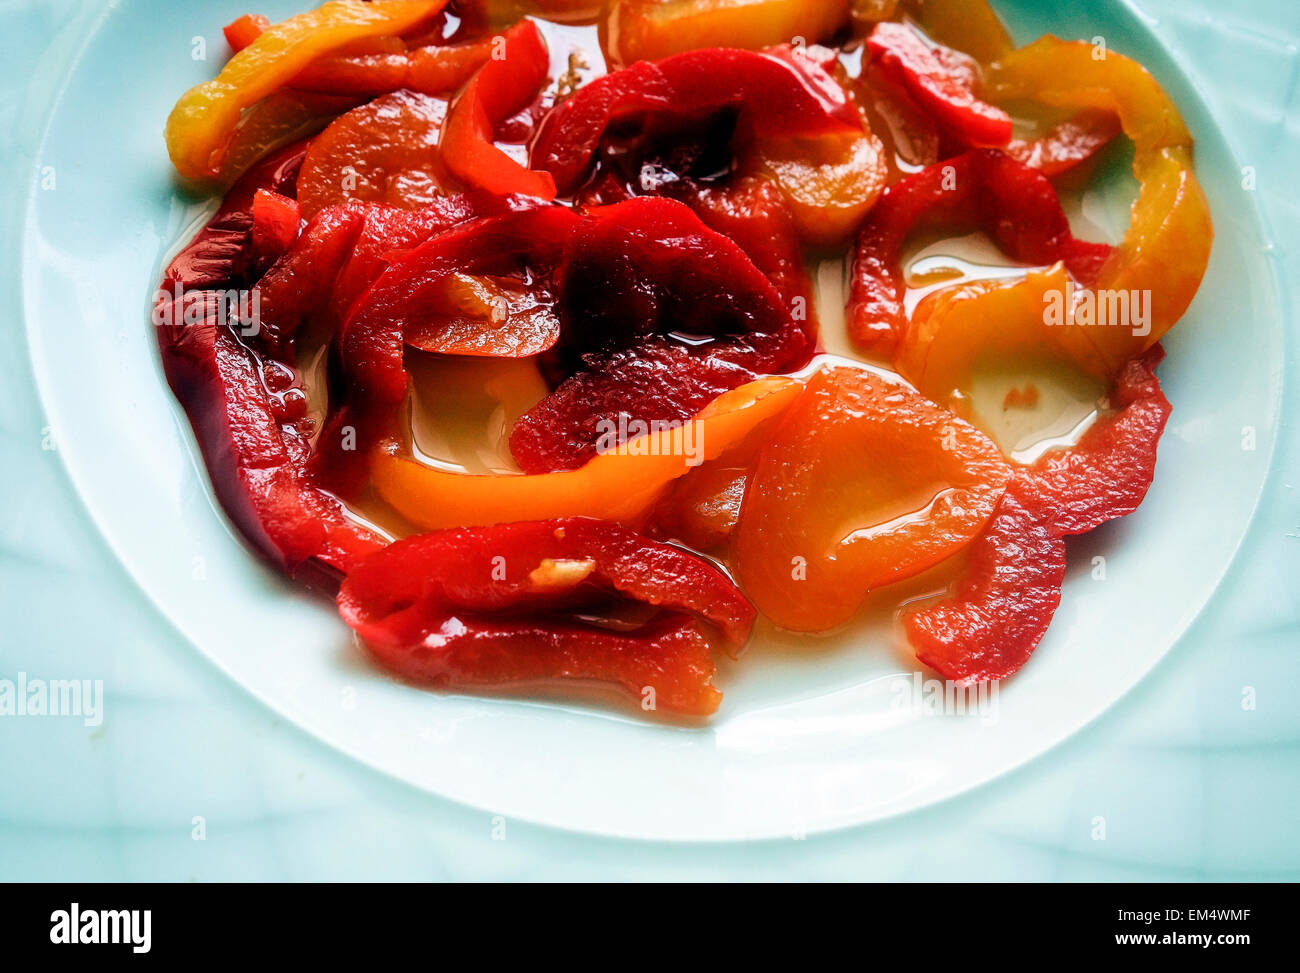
644 237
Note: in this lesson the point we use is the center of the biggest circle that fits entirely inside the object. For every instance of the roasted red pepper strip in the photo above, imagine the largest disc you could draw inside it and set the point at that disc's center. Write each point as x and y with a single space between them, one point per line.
247 413
754 214
276 220
779 93
1017 205
490 606
933 83
1108 471
1067 145
526 243
430 69
244 30
1001 610
664 315
500 89
433 69
343 251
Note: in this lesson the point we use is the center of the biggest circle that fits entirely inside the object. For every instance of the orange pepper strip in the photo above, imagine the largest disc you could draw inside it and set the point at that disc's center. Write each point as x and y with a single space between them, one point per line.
1167 246
953 328
621 485
863 483
647 30
201 125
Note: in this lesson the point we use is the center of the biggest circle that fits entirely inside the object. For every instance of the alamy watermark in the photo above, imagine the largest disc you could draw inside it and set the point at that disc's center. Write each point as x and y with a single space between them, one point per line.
654 437
917 695
1084 308
234 308
53 697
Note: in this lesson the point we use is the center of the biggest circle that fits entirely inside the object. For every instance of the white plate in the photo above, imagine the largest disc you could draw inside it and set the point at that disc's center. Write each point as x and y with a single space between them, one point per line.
803 743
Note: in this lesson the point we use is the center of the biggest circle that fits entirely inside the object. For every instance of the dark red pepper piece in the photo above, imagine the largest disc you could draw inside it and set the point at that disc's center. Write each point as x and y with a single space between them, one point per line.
1001 609
246 411
514 603
1107 473
660 315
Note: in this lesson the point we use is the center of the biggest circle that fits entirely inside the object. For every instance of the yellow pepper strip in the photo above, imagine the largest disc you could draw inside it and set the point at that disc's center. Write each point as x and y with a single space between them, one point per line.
622 484
1078 75
647 30
201 126
1166 249
953 329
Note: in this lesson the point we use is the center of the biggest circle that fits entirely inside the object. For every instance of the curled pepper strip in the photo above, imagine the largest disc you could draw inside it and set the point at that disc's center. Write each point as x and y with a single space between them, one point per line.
248 414
779 93
503 86
1167 246
1000 611
646 30
983 187
1107 473
934 86
201 125
491 606
622 483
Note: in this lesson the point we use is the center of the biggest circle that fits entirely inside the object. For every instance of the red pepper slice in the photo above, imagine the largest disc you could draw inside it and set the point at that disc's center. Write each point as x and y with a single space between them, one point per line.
343 251
490 606
1107 473
754 214
527 243
986 188
654 380
1067 145
432 69
424 68
242 31
384 151
247 412
276 220
778 93
1000 611
930 78
663 315
502 87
